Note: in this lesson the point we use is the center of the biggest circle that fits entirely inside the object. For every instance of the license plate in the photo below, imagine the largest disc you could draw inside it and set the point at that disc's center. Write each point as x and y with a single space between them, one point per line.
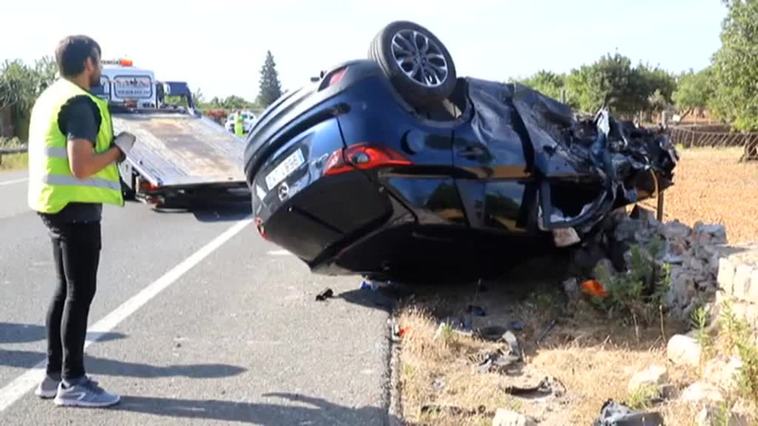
289 165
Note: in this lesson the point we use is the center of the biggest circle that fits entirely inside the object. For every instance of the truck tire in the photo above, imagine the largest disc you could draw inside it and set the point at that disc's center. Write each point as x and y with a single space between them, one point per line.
415 61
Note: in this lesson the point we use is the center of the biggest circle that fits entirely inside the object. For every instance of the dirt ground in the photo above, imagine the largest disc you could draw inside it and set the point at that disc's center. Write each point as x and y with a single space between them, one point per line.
591 356
712 186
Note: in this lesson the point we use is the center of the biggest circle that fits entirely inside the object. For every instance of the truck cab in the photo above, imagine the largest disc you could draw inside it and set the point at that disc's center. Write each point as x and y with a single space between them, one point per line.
127 87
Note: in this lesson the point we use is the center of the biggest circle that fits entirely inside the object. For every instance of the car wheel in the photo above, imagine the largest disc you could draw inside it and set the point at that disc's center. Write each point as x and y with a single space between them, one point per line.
415 61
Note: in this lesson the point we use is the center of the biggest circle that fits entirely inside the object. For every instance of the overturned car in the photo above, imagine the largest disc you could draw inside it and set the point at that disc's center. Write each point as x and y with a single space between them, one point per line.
395 168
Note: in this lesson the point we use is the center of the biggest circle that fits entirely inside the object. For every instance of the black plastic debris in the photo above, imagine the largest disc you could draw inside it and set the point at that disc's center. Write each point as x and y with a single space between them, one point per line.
546 387
476 311
617 414
499 361
326 294
502 359
492 333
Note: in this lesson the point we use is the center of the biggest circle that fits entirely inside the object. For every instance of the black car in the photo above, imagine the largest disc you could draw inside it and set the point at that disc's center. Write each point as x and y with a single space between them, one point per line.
394 168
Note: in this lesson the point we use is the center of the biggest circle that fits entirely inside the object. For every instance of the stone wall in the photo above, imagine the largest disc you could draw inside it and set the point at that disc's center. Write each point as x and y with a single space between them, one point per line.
738 283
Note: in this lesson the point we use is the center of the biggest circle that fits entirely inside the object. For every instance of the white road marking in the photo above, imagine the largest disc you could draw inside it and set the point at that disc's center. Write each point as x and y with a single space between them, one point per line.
27 381
13 181
279 253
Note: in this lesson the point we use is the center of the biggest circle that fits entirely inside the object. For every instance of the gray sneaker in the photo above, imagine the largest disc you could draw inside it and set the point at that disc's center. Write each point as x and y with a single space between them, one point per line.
48 388
85 393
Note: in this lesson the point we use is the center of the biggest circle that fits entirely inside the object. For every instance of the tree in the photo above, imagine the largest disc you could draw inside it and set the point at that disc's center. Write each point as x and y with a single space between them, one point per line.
735 67
546 82
657 86
694 91
19 87
46 71
612 82
656 79
198 98
235 102
270 88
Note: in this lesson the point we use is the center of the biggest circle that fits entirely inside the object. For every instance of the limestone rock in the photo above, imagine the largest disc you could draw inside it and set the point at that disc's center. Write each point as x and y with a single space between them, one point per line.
505 417
699 392
655 375
722 372
684 350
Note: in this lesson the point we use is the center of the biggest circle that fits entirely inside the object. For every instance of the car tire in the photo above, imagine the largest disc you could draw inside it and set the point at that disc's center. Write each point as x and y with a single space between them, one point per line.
415 61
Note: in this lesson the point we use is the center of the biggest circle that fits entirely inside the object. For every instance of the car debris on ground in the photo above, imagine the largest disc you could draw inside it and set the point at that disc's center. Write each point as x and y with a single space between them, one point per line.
617 414
547 386
326 294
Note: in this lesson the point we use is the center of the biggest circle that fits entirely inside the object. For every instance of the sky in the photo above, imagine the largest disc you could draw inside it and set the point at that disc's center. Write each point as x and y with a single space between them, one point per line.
219 45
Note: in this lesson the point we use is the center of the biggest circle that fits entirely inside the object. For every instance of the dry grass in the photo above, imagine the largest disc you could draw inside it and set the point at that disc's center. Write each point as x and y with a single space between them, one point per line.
594 361
712 186
438 372
594 357
14 162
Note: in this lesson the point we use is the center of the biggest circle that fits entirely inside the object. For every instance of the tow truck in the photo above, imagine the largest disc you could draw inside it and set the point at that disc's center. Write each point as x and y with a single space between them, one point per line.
181 157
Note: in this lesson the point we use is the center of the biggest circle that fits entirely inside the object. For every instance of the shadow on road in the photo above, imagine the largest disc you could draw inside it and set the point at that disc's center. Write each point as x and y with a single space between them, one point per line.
20 333
517 283
317 411
211 213
370 299
109 367
25 333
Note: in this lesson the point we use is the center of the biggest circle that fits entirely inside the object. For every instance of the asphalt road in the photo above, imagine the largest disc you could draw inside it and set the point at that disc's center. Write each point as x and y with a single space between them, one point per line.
200 322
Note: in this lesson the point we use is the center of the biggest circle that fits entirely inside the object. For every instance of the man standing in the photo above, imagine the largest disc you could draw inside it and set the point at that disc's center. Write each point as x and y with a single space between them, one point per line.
72 172
239 125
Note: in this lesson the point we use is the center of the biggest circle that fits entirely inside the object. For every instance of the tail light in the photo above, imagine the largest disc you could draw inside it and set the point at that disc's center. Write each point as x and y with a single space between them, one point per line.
333 78
363 157
146 186
337 76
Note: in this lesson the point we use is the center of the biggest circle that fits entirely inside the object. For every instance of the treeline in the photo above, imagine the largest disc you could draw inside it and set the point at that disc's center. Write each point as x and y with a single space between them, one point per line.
727 88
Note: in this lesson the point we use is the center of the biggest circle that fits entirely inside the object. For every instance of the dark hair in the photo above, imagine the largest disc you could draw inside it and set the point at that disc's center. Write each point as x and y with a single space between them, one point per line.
72 52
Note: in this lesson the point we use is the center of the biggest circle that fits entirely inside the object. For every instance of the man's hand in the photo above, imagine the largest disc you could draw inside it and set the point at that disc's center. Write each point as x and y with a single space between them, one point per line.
125 142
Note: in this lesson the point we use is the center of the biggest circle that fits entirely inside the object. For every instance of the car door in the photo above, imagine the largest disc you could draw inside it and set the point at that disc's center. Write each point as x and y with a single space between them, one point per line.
493 162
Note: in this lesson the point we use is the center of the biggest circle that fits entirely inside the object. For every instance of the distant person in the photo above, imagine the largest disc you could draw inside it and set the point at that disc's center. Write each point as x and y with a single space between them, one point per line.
72 173
239 125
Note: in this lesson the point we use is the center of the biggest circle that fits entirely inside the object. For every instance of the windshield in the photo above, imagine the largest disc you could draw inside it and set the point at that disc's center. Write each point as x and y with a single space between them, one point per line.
133 87
103 90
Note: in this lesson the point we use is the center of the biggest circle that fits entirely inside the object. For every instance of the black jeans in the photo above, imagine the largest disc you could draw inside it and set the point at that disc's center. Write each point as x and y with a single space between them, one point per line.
76 250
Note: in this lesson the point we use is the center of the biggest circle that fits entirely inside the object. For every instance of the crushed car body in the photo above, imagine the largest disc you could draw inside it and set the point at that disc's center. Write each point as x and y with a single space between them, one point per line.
387 168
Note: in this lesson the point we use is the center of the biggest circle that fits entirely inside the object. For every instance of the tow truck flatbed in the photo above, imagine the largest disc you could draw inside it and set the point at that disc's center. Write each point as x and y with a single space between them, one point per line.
181 150
180 157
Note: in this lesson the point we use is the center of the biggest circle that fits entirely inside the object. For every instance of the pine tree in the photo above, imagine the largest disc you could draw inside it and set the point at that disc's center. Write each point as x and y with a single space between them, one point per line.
270 88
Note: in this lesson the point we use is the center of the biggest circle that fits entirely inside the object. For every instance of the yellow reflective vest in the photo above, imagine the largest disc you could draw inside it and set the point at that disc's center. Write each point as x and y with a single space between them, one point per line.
51 184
